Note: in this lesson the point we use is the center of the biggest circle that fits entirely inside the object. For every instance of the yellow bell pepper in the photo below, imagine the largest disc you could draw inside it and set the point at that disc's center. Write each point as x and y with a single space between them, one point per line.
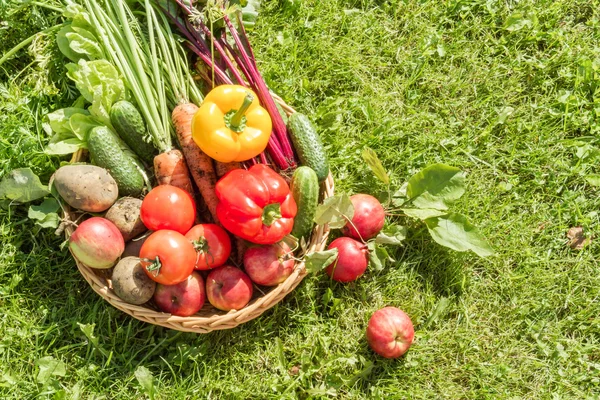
230 124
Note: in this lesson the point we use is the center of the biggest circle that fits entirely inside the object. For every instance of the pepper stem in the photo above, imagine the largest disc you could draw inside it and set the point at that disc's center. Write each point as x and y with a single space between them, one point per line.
237 119
271 213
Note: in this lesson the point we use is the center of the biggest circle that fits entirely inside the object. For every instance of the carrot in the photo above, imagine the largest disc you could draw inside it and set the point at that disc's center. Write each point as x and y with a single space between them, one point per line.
223 168
170 169
201 166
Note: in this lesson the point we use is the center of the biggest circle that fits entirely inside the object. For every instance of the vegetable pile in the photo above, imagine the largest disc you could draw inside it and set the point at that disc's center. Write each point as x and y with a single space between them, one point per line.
227 209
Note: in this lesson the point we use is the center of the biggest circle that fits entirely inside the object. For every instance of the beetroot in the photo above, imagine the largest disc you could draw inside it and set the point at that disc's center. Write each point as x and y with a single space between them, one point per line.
351 262
97 243
368 218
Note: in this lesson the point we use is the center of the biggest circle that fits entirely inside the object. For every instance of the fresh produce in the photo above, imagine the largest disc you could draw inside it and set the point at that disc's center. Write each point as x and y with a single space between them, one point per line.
133 247
256 204
200 164
368 219
230 124
305 190
351 262
125 214
212 245
171 169
308 145
182 299
269 265
227 57
390 332
168 257
86 187
223 168
168 207
130 126
228 288
130 282
106 152
97 243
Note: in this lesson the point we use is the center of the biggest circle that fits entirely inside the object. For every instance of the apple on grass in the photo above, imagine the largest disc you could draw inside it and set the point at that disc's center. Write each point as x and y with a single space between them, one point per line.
228 288
183 299
390 332
351 262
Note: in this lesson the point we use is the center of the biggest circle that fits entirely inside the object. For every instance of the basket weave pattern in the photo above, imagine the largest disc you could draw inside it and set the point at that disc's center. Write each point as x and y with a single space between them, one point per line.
209 318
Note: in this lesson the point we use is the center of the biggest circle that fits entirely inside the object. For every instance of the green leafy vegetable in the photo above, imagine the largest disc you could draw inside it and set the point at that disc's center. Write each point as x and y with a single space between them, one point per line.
315 262
45 214
437 187
335 211
374 163
454 231
22 185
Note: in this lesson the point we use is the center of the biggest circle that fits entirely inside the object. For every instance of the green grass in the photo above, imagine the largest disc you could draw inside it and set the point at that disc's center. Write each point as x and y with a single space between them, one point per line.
504 90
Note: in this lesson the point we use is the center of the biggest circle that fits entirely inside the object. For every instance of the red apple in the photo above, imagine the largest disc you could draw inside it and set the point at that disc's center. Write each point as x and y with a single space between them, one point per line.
97 243
183 299
368 218
269 265
390 332
351 262
228 288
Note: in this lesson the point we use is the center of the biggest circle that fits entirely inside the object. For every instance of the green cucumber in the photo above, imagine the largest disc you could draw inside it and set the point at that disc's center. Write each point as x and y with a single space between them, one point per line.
308 145
305 190
106 152
130 126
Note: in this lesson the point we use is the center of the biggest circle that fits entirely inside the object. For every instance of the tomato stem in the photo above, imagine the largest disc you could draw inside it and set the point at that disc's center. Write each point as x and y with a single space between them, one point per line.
155 266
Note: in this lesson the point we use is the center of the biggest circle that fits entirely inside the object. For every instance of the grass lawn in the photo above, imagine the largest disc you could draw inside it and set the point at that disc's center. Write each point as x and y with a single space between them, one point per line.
506 90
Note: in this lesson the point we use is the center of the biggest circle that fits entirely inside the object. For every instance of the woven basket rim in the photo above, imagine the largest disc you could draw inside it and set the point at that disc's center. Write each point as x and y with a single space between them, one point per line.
208 319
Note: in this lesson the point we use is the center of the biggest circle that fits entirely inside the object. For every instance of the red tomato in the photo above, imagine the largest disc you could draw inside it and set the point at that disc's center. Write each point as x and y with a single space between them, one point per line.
176 257
168 207
212 245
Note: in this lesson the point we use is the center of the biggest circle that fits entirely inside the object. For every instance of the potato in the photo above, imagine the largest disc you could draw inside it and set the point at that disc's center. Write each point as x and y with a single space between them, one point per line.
131 283
86 187
133 247
125 214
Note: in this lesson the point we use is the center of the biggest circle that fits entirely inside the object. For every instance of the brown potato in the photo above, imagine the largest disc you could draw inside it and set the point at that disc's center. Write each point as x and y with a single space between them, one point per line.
125 214
131 283
86 187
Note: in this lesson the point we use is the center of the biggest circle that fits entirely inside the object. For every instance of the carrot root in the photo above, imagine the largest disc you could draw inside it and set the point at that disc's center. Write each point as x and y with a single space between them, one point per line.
170 169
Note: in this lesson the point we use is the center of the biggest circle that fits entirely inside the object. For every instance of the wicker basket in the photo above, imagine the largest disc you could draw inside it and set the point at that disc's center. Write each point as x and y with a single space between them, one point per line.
209 318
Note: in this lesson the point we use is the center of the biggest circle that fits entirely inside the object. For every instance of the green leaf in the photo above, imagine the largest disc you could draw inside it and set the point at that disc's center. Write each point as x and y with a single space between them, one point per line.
49 367
63 44
454 231
88 331
22 185
378 256
517 21
400 197
56 146
81 125
45 214
84 42
439 310
437 187
593 179
374 163
59 120
99 82
315 262
393 235
145 379
423 213
335 211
